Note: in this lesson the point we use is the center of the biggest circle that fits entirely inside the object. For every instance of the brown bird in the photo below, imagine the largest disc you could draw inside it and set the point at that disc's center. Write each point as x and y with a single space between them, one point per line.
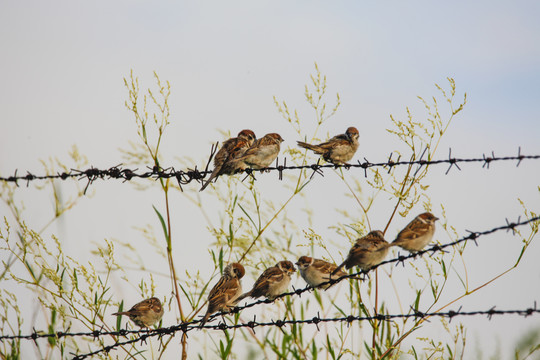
317 271
146 313
223 295
339 149
417 234
231 149
262 153
272 282
367 252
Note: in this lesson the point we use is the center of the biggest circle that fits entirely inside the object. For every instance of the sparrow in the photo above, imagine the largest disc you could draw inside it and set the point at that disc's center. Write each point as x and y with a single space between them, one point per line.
367 252
317 271
272 282
262 153
224 294
231 149
417 234
339 149
146 313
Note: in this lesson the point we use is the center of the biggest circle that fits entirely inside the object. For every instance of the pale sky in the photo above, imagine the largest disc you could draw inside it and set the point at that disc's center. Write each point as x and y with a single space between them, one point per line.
61 83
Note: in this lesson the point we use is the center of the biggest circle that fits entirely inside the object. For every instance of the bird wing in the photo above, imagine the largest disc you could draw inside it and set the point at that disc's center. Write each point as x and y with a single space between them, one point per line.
230 166
136 310
336 141
324 266
238 149
255 147
142 308
414 230
268 277
340 137
217 288
328 269
223 292
220 160
364 244
223 153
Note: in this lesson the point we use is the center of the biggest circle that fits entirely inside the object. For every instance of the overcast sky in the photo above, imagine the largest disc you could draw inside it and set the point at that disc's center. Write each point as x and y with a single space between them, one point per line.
62 66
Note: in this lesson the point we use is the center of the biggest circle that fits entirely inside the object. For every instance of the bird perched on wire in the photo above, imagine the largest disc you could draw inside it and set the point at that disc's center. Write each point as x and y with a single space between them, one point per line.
339 149
417 234
223 295
262 153
317 271
367 252
145 313
272 282
231 149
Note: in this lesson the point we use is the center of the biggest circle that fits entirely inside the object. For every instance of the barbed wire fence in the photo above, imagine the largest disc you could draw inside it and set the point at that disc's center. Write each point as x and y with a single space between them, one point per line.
143 334
185 177
317 320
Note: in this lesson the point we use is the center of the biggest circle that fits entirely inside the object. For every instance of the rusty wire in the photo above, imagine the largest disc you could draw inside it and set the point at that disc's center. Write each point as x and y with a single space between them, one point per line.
185 177
315 321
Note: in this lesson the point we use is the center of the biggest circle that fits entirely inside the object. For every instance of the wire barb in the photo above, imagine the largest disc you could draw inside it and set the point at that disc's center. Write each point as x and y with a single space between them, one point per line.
185 177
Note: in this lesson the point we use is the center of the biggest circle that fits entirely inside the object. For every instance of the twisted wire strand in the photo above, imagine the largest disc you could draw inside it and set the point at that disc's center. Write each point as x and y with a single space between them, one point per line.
317 320
185 177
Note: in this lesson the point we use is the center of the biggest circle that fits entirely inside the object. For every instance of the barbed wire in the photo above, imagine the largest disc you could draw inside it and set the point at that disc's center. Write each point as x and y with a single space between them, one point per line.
185 177
316 320
194 324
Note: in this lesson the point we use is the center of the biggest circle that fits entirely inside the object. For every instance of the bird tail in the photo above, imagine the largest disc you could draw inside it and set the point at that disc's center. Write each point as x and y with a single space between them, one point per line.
242 297
212 177
314 148
204 319
394 243
121 313
338 268
337 276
